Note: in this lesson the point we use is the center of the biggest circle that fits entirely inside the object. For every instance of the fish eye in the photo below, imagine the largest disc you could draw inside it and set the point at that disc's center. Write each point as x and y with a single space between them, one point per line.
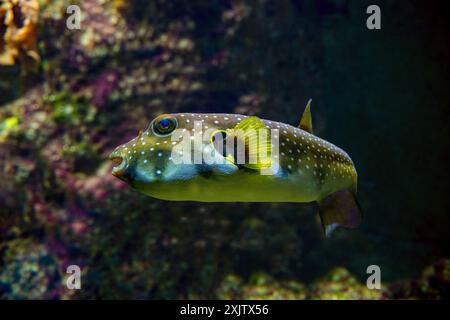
164 125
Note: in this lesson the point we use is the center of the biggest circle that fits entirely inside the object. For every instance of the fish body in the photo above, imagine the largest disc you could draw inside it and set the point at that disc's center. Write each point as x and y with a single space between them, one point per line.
307 169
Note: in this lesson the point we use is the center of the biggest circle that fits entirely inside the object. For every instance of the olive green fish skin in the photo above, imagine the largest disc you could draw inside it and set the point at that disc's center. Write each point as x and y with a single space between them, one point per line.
310 167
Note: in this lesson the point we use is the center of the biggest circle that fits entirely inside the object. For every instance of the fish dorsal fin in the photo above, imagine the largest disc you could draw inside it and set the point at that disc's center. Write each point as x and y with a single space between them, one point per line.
306 121
256 136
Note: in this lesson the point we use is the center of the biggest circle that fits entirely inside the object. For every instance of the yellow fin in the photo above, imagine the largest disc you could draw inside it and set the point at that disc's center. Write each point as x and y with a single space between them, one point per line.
256 136
306 121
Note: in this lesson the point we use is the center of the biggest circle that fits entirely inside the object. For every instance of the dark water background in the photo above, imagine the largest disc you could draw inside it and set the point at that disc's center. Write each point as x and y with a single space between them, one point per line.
381 95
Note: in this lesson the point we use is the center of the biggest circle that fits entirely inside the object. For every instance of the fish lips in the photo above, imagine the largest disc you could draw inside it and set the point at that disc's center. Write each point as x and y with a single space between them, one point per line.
121 165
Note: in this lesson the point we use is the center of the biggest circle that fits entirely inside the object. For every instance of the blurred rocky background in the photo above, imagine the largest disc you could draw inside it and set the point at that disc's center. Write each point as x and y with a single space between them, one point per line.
68 97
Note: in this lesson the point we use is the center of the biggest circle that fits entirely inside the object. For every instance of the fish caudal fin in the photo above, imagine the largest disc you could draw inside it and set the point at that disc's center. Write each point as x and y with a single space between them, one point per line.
339 209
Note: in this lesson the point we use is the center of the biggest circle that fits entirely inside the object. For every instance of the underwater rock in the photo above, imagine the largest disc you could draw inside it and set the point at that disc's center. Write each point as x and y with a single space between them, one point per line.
339 284
260 287
433 284
18 30
28 271
436 280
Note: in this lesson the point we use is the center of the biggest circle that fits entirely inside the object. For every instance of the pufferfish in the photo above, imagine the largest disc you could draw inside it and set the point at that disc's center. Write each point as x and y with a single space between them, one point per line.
307 169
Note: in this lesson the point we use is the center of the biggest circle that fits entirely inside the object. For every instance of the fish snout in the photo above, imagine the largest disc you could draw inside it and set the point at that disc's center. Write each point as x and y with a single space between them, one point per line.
121 163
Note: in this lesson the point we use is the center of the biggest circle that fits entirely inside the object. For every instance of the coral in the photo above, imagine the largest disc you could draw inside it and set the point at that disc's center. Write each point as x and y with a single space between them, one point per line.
261 287
28 271
339 284
433 284
18 30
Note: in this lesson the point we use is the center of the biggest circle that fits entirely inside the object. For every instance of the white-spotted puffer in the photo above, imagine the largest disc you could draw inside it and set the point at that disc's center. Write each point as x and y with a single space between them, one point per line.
195 157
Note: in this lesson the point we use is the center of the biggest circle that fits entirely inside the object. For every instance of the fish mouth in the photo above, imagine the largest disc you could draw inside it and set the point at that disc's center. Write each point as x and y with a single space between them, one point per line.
120 164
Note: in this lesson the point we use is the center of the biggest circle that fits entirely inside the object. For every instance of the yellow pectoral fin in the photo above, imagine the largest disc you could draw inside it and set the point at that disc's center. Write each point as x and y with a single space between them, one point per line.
255 136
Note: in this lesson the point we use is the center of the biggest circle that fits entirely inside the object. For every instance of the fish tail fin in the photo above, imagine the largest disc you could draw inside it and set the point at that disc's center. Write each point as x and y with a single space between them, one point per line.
339 209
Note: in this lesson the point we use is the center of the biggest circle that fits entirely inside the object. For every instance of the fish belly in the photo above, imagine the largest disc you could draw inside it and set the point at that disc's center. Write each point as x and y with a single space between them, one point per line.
242 188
